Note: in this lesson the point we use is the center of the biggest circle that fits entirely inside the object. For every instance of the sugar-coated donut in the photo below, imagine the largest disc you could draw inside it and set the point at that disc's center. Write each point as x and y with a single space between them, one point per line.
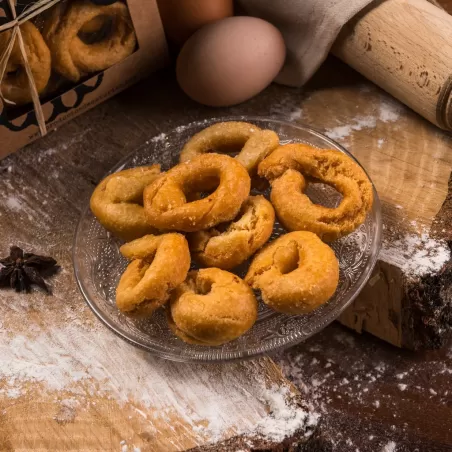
117 202
15 85
71 56
159 264
252 143
211 307
286 169
295 273
165 200
228 245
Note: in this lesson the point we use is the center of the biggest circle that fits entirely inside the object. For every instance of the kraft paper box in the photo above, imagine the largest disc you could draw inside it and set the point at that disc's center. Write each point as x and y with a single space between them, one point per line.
63 98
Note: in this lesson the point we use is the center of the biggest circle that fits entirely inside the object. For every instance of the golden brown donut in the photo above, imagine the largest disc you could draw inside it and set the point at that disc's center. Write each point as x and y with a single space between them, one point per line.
252 143
286 169
117 202
230 244
159 264
71 56
165 200
295 273
15 85
211 307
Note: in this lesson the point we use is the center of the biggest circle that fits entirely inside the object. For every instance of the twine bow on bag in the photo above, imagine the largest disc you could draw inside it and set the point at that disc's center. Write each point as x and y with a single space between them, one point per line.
14 25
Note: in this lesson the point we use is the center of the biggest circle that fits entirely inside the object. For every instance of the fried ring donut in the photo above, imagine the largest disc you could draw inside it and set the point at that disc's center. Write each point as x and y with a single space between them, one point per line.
295 273
15 85
117 202
159 264
211 307
253 143
165 200
286 169
229 245
71 57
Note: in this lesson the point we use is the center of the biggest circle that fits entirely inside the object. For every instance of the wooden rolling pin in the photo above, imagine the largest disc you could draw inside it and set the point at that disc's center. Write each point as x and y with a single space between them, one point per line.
405 47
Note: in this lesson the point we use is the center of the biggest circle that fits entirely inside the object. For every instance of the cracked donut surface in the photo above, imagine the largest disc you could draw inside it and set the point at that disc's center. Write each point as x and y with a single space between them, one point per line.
165 200
117 202
159 264
296 273
287 169
211 307
252 143
231 244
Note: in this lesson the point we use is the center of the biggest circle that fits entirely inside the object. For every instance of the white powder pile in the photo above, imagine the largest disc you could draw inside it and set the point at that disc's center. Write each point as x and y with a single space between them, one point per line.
389 447
389 110
416 255
359 123
287 107
283 418
13 203
158 138
77 361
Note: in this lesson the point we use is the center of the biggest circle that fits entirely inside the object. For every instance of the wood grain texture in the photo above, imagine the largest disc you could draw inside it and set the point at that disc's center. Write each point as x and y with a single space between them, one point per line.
410 162
44 188
372 396
67 383
404 47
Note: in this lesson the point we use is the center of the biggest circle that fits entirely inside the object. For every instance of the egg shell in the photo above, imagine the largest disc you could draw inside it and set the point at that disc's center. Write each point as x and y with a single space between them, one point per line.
181 18
230 61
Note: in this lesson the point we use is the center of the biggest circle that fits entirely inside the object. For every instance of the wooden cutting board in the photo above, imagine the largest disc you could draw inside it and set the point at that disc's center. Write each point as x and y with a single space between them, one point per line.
67 384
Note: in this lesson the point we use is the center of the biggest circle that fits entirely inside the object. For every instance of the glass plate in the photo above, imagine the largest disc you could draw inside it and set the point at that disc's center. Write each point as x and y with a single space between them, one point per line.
99 265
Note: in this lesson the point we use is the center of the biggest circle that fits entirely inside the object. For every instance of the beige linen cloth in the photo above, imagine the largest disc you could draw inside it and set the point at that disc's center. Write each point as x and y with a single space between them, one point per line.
309 28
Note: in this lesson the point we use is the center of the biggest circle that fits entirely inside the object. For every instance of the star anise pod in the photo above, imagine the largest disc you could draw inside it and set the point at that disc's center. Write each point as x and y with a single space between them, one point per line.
21 269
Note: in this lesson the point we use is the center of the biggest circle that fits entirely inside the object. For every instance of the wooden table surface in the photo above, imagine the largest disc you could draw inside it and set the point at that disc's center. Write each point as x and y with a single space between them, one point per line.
68 384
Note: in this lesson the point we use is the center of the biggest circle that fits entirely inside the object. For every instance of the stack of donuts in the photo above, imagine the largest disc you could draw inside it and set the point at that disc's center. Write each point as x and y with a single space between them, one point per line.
201 209
76 38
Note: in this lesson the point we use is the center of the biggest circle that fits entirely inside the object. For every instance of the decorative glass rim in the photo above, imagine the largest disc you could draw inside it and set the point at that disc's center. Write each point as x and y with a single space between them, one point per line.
241 354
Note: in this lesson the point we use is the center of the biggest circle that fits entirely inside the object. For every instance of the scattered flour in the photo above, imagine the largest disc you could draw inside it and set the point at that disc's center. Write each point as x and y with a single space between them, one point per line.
288 107
388 111
283 418
295 114
359 123
415 254
13 203
13 393
69 358
402 386
389 447
157 138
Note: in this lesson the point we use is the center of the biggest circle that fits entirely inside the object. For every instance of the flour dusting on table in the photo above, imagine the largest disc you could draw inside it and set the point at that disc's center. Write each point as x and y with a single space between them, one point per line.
350 380
210 400
415 254
390 447
388 110
288 106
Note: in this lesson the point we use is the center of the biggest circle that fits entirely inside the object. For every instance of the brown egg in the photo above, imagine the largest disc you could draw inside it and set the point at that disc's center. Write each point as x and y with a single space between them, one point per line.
230 61
181 18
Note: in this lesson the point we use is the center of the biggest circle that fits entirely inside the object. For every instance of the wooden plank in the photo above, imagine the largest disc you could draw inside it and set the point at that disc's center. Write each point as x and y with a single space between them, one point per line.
373 397
42 192
66 382
410 162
